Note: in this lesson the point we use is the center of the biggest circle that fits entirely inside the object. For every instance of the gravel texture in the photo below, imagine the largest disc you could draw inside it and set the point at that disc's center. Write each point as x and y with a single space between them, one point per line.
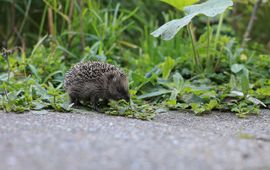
172 141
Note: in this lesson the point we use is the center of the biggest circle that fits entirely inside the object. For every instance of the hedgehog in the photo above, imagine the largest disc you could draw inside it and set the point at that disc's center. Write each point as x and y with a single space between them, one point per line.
94 81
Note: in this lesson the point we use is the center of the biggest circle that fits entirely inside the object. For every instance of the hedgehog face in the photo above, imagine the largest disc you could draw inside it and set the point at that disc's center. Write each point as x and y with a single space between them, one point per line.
118 87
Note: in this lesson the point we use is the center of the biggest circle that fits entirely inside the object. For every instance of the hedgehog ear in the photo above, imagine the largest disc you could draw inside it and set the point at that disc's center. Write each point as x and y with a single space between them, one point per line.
111 77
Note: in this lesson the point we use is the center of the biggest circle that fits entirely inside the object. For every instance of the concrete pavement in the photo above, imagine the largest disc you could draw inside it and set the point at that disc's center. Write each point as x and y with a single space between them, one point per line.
172 141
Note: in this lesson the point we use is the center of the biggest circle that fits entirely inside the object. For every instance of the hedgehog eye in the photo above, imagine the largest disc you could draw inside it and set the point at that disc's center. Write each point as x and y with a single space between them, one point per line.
111 77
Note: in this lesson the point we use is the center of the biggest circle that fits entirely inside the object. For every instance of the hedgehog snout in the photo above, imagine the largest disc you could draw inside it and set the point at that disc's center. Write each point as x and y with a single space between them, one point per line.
124 96
127 98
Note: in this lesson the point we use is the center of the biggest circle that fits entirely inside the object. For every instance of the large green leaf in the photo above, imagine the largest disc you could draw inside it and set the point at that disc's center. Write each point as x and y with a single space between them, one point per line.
180 4
209 8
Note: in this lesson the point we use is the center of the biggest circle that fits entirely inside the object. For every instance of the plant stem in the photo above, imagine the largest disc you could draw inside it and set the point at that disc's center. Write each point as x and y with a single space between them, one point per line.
209 57
70 17
54 99
196 57
81 25
50 21
251 23
218 30
8 64
42 21
208 38
25 16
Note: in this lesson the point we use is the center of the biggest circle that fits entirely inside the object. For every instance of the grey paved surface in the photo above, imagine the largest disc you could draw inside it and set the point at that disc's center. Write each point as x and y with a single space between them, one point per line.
85 141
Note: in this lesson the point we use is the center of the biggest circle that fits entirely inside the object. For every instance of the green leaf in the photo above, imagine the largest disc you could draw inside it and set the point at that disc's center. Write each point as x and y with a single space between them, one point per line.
154 94
41 92
180 4
211 105
196 108
242 74
122 108
255 101
37 45
171 102
236 68
209 8
34 71
38 105
244 78
264 91
174 94
4 76
167 67
178 81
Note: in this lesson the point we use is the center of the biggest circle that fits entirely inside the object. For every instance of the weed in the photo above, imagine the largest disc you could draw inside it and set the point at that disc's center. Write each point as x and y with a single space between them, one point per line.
139 110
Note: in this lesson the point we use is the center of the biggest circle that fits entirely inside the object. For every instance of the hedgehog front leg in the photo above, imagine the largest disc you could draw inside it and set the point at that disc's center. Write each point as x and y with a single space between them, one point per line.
94 102
74 100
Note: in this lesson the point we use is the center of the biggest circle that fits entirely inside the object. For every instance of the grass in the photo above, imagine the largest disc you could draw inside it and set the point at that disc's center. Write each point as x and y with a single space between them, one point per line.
161 73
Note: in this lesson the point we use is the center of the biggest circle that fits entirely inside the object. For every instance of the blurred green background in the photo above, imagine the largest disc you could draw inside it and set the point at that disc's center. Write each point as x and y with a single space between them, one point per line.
23 22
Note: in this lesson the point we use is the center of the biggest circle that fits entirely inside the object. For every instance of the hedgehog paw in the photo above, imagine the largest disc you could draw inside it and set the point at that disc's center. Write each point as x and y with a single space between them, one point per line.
97 109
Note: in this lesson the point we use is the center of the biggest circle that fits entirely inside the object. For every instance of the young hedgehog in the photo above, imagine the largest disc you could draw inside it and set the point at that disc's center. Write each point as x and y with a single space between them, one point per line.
92 81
